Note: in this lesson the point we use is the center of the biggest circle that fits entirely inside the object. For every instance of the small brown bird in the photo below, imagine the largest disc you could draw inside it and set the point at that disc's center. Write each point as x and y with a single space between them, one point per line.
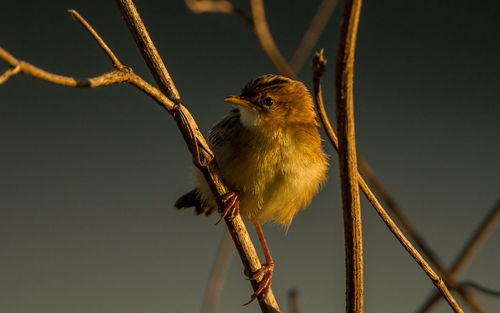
269 153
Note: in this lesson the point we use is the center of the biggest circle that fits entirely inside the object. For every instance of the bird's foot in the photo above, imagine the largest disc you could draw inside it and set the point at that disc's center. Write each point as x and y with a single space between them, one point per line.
232 206
266 272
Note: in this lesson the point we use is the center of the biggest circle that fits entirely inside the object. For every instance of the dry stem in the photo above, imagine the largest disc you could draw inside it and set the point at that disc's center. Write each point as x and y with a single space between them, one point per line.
347 157
319 64
266 39
312 34
474 243
218 274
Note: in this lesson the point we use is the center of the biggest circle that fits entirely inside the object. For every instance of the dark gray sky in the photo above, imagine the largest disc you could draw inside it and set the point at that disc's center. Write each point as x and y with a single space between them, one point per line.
88 177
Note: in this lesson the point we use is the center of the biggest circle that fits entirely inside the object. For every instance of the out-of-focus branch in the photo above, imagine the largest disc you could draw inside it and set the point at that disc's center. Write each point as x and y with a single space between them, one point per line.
319 64
217 6
312 34
469 250
347 156
266 40
378 188
293 301
475 241
203 157
480 288
210 6
218 275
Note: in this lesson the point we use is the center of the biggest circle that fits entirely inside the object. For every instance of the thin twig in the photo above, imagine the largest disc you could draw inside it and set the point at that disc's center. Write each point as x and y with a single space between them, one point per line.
218 274
261 29
115 76
312 34
436 280
100 42
203 157
347 157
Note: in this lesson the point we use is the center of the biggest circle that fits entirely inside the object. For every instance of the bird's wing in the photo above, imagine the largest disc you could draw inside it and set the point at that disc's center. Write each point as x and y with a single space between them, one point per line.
223 131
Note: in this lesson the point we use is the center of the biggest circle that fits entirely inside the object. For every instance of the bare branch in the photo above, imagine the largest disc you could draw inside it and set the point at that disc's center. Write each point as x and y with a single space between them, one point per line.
312 34
203 157
347 157
148 49
100 42
293 301
472 246
480 288
218 274
474 243
266 40
115 76
436 280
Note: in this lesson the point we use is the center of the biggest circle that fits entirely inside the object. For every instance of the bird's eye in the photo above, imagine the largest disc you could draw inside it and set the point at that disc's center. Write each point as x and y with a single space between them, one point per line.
268 101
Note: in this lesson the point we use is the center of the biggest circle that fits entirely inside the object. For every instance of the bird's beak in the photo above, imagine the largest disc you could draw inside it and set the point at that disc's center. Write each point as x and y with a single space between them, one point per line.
239 101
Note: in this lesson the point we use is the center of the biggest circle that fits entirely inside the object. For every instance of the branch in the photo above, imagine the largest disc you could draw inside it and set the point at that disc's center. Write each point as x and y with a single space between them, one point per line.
311 36
319 64
266 40
378 187
347 157
293 301
218 274
472 246
478 287
474 243
217 6
203 157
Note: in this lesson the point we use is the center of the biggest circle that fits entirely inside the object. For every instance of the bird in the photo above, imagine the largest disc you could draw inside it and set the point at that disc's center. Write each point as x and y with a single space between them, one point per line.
270 155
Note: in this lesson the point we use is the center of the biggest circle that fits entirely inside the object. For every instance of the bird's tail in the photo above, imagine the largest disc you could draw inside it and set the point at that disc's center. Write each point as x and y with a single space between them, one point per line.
193 199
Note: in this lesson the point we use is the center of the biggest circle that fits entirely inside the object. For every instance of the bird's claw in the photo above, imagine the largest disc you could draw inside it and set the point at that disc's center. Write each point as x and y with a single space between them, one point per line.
266 271
232 206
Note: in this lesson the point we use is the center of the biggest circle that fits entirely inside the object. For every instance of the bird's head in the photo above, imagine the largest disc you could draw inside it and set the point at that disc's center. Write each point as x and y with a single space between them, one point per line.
273 101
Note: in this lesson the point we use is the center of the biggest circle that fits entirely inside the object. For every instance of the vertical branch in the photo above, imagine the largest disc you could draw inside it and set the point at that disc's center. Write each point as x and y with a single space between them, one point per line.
347 157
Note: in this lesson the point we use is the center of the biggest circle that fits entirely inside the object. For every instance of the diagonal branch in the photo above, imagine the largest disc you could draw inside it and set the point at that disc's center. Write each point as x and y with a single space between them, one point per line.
203 157
378 187
266 40
472 246
312 34
100 42
319 64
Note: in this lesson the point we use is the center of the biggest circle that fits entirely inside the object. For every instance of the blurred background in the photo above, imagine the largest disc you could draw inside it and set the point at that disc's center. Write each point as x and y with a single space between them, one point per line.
88 178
